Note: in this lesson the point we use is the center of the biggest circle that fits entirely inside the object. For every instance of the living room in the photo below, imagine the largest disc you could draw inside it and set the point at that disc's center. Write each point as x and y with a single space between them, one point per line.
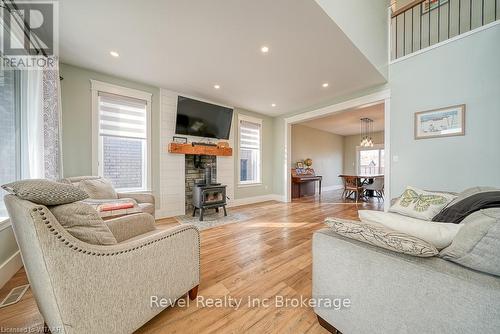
164 145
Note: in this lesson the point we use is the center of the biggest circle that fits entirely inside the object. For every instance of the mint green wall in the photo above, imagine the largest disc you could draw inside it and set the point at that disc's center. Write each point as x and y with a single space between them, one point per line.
77 119
466 71
77 128
267 158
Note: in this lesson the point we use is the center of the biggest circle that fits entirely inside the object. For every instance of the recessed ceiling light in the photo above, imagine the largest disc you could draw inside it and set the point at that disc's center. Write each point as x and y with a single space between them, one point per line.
264 49
217 86
114 54
273 105
325 85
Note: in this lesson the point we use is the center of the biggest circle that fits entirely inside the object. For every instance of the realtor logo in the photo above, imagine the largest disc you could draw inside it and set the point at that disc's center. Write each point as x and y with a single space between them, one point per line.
29 32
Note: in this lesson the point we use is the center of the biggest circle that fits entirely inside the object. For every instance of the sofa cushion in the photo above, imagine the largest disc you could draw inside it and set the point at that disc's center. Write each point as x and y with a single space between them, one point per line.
98 188
378 235
438 234
468 202
421 204
477 244
84 223
45 192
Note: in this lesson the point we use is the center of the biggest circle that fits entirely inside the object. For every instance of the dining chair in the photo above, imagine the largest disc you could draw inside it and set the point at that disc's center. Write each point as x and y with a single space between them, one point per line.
377 186
352 185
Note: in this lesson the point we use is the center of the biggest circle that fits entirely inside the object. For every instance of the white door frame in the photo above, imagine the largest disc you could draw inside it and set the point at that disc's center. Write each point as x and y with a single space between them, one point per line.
377 97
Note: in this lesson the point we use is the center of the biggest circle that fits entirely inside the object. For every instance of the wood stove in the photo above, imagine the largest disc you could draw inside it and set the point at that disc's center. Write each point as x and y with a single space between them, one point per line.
209 196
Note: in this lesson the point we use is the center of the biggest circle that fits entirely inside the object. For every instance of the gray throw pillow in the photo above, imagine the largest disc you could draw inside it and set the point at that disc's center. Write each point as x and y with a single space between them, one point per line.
98 188
380 236
84 223
477 244
45 192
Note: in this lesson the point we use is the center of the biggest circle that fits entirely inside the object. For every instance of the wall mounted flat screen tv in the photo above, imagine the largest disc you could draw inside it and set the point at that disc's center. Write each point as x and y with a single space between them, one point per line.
202 119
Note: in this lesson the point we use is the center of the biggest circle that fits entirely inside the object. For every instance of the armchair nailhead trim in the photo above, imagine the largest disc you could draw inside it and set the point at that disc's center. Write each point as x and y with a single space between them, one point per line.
46 221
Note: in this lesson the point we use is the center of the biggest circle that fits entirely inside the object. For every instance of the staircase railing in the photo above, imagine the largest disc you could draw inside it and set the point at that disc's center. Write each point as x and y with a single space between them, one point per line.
423 23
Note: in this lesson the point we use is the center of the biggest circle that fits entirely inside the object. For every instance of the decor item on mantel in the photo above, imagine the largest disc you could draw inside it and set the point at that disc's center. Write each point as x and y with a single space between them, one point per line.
197 149
444 122
180 140
366 127
308 162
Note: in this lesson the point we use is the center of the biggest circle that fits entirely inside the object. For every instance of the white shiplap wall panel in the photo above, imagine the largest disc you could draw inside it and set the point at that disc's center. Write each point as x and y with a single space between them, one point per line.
172 166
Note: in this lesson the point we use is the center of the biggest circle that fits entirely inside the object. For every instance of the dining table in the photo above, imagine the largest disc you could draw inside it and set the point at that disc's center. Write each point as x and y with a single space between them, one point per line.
364 179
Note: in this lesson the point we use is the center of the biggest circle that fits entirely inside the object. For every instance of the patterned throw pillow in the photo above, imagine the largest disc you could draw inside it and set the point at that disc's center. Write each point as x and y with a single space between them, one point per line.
45 192
421 204
378 235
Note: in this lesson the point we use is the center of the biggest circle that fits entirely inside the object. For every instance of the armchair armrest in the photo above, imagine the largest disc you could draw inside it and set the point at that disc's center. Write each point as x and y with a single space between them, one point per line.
138 197
129 226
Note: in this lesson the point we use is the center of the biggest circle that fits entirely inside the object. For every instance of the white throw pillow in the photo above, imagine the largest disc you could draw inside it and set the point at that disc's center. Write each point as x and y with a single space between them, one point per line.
438 234
421 204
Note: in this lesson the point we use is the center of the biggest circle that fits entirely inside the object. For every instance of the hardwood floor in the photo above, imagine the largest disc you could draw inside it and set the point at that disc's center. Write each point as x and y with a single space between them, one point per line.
265 256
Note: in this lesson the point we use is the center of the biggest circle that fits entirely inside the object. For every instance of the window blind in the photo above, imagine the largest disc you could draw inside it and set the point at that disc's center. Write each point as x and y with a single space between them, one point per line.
249 135
122 116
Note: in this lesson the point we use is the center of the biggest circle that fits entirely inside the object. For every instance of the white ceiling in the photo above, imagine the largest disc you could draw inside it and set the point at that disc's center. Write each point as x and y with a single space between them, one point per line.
347 122
189 45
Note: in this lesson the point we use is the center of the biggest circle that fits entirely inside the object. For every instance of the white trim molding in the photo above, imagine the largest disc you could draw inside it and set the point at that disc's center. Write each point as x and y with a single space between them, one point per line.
334 187
99 86
10 267
254 199
259 121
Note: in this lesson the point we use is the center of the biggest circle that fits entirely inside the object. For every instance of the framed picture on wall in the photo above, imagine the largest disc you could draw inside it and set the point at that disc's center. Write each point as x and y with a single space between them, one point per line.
444 122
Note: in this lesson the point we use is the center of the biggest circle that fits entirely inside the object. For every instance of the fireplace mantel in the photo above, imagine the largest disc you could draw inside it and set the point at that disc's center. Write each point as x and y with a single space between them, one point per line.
200 149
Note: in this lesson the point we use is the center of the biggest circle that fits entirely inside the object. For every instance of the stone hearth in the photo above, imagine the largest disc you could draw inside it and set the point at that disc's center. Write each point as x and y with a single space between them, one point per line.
193 174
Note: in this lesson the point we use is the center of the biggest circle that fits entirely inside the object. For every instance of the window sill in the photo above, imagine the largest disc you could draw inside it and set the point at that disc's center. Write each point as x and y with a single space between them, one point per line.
248 185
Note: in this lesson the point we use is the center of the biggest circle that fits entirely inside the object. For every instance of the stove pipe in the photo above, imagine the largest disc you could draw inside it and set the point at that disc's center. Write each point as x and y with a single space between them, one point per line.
208 174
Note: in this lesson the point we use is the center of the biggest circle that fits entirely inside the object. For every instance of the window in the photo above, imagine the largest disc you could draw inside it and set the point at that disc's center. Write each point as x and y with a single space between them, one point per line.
9 132
123 136
370 160
250 142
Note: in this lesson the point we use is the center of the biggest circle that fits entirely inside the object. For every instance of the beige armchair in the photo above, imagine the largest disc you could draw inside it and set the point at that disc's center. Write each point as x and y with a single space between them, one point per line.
146 201
84 288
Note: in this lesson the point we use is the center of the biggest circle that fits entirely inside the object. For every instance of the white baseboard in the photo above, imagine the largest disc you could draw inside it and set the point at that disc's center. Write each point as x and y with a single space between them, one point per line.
255 199
10 267
336 187
160 214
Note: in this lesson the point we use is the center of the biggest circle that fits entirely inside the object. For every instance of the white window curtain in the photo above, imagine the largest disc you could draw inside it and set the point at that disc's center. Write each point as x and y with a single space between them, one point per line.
41 153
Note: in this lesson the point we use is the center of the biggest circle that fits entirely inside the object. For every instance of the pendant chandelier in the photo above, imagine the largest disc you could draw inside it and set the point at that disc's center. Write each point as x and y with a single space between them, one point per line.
366 127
